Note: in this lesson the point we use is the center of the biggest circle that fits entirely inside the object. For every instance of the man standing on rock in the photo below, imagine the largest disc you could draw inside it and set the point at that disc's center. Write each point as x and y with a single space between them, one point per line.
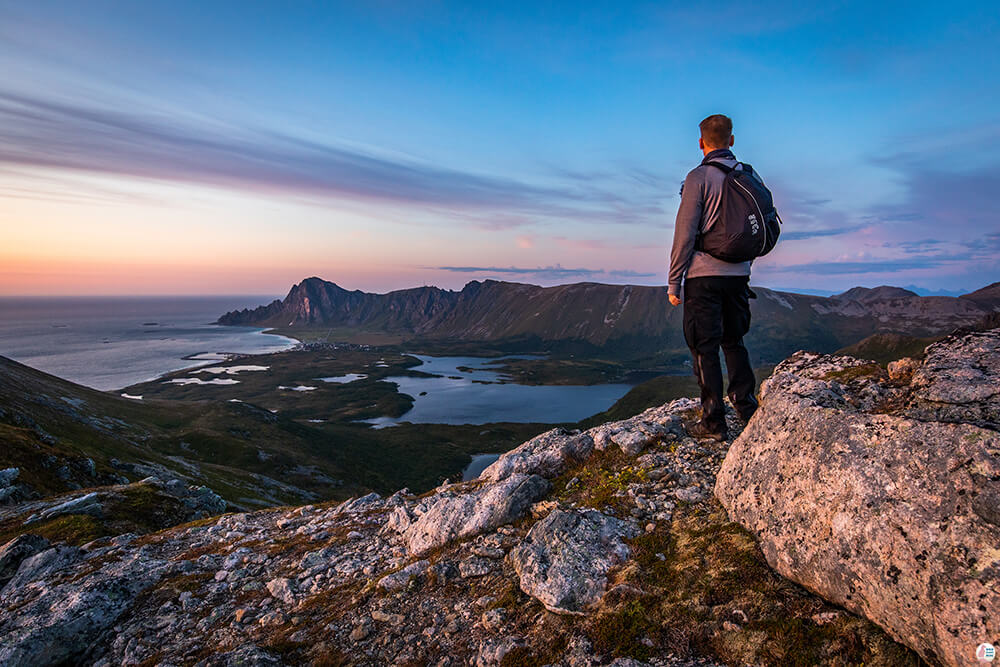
716 292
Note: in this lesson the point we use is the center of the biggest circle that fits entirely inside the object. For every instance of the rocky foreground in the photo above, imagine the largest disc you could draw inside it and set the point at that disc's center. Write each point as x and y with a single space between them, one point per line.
589 548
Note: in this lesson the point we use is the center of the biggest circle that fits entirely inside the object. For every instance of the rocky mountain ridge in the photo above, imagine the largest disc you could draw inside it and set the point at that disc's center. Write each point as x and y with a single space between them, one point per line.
622 319
598 547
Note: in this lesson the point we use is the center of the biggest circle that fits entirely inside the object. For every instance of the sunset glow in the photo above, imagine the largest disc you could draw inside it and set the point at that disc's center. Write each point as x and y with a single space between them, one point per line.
163 148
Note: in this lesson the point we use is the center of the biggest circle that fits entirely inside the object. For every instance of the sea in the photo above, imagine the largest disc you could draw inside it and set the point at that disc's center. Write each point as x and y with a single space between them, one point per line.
109 343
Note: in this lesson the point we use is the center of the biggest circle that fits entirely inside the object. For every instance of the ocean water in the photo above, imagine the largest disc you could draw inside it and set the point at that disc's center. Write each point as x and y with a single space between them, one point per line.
112 342
480 396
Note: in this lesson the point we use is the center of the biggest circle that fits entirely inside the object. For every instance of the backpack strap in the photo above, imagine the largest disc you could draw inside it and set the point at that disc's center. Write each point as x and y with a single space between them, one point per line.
726 169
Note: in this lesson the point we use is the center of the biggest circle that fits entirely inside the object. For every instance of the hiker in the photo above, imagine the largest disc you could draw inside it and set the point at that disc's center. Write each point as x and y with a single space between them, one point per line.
716 291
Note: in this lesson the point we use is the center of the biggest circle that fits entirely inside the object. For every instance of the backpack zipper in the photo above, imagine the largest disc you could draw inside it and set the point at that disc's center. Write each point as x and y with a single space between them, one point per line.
754 200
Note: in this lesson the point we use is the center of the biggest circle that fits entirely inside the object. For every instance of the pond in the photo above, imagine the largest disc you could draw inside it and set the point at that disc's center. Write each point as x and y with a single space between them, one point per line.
479 394
479 463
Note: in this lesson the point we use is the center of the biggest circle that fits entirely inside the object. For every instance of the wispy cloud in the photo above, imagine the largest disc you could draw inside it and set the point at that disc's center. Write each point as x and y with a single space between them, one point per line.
799 235
549 272
857 266
49 133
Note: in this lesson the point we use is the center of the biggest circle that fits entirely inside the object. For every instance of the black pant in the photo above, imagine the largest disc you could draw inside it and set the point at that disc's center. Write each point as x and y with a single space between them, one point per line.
717 313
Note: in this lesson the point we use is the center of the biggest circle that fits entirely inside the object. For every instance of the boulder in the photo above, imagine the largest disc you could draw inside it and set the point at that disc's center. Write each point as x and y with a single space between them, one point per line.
876 496
636 433
550 453
959 381
40 565
59 621
7 488
17 551
356 505
401 578
88 503
467 515
564 560
547 454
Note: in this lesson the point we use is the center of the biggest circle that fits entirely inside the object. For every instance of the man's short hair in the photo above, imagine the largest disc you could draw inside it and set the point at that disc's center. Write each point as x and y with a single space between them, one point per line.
716 130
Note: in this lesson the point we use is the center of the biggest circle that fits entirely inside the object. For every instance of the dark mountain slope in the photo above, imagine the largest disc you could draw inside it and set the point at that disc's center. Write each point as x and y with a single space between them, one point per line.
988 297
621 321
870 294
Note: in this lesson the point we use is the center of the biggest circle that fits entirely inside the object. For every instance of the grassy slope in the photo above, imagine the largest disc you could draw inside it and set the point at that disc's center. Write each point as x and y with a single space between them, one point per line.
49 424
134 508
221 444
886 347
705 571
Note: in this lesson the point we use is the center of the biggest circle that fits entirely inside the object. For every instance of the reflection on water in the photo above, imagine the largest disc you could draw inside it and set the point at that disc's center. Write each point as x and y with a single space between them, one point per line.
480 462
479 395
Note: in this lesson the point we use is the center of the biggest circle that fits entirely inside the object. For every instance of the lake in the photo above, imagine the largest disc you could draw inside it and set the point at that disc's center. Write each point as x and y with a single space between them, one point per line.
113 342
480 395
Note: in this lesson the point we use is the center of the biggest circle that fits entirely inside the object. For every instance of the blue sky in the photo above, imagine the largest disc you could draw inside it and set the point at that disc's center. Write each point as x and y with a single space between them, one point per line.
238 147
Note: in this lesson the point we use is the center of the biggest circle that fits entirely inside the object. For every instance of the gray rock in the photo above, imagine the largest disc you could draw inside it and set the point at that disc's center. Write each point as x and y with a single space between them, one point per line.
17 551
247 655
883 514
459 517
7 476
398 521
60 622
41 565
391 619
204 501
86 504
634 434
361 632
283 589
565 558
356 505
493 650
547 454
690 494
959 381
474 567
445 572
399 580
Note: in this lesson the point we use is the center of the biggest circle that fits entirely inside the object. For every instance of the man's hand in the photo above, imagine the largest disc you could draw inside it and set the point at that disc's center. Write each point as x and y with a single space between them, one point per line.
674 300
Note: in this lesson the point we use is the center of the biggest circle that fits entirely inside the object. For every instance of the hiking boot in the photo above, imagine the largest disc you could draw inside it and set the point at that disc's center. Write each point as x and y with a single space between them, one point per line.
700 430
745 417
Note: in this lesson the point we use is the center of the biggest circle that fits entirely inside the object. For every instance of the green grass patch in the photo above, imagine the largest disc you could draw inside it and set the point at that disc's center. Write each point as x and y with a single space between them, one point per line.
845 375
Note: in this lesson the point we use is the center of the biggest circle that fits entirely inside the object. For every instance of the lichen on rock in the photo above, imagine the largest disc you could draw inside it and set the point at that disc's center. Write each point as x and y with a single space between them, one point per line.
565 559
879 497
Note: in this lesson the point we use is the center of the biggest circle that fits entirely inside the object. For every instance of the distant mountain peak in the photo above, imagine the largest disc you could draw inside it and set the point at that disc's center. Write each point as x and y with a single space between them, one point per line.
875 293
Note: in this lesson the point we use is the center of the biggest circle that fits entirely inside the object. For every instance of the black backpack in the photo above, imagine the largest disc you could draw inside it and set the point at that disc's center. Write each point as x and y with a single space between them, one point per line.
748 225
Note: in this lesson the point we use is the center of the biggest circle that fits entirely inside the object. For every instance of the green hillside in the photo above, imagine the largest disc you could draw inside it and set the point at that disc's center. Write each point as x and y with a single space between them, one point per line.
62 436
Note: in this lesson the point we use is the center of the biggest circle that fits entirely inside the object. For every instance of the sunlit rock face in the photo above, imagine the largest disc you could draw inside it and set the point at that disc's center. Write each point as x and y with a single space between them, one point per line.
882 495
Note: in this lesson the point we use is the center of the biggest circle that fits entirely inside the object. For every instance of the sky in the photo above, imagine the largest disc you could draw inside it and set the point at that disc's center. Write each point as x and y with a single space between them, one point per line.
239 147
